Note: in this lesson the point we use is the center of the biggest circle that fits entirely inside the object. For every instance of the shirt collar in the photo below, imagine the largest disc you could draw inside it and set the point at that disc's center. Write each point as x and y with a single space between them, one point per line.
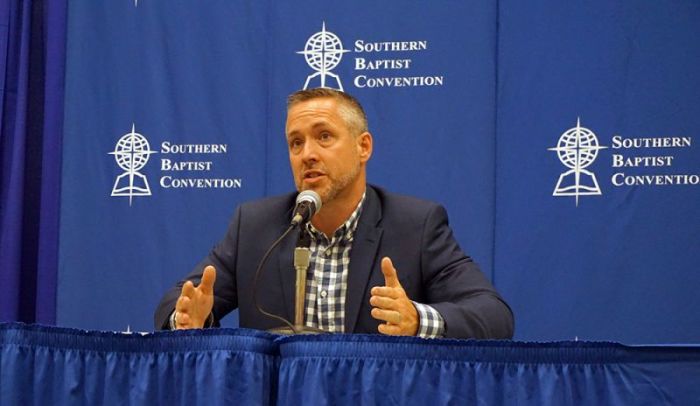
346 230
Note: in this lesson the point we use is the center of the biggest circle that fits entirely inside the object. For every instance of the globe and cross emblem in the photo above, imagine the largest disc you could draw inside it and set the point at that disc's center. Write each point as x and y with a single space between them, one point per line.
323 52
131 152
577 148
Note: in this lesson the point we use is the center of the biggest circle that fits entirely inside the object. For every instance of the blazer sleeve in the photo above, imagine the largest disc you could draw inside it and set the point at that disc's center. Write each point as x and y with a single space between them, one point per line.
457 289
223 257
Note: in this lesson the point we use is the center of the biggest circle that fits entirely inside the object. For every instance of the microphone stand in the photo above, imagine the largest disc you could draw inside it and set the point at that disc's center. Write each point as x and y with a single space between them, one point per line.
302 258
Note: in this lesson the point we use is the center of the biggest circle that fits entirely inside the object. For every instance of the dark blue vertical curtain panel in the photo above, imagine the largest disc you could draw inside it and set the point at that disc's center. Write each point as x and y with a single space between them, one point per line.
32 48
598 169
164 135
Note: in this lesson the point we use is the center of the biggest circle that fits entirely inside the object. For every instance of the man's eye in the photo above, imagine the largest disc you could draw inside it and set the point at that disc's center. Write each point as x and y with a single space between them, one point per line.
325 136
295 143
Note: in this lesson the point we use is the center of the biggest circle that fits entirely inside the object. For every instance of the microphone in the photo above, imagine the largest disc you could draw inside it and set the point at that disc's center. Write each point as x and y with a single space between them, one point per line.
308 204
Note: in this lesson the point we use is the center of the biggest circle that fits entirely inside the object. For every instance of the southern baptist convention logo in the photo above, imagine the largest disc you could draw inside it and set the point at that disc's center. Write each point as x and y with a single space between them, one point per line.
577 149
376 63
323 52
179 165
131 153
635 162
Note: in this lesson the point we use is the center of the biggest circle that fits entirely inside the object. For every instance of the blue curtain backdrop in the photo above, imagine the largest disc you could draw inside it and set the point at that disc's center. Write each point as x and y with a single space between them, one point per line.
32 54
187 74
485 134
619 265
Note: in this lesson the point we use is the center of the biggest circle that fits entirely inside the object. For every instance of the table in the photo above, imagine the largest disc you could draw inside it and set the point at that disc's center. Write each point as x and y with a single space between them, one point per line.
52 365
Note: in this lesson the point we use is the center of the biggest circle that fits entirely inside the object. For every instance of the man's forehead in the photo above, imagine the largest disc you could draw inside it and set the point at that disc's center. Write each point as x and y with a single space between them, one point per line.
313 113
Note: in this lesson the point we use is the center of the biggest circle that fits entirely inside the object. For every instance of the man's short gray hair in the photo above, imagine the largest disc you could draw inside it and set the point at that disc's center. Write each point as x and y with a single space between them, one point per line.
349 108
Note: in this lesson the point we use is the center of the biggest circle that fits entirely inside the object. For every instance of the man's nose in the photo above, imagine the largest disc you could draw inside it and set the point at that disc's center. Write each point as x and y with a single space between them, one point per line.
310 151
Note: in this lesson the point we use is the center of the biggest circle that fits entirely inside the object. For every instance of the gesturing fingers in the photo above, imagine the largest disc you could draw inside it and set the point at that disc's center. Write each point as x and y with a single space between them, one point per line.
182 309
390 329
183 303
383 302
383 291
194 305
389 316
391 304
208 279
188 290
182 320
391 279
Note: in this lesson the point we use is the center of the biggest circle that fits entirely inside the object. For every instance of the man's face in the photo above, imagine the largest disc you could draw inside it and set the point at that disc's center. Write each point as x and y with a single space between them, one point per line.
325 156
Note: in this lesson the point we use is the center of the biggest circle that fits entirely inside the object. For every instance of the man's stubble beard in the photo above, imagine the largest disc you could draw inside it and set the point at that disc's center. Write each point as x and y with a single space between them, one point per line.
343 182
336 186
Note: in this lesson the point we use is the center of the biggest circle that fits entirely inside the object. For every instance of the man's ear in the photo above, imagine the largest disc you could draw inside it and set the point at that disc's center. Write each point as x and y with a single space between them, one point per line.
364 146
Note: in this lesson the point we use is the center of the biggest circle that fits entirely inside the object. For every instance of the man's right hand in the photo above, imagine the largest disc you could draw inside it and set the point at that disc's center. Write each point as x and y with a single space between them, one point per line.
194 305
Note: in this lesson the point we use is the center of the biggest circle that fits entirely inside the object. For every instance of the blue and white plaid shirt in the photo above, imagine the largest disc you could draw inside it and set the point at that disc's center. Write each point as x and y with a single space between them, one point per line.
327 282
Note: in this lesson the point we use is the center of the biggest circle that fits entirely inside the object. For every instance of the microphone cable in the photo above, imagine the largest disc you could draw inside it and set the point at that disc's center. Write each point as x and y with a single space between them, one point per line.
257 276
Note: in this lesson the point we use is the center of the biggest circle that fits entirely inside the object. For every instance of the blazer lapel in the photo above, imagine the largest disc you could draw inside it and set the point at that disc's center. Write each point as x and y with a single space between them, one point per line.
362 258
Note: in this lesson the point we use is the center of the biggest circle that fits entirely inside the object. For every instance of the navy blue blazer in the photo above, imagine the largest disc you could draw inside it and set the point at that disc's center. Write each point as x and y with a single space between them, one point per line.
414 233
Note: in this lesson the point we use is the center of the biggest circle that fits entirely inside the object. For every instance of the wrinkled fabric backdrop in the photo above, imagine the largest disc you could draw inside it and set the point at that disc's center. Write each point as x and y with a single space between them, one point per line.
174 114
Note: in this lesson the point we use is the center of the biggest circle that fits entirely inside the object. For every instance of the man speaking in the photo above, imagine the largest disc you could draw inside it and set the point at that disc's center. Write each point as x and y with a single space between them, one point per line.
380 262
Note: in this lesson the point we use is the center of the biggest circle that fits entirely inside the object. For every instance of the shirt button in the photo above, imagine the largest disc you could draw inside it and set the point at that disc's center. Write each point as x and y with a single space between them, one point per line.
324 293
327 253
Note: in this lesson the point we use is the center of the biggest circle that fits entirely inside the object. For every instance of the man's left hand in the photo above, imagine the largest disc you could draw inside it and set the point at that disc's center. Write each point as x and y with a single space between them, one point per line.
392 306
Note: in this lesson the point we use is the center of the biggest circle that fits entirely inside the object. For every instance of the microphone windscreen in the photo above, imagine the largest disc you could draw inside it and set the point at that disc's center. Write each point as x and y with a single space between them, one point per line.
311 197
